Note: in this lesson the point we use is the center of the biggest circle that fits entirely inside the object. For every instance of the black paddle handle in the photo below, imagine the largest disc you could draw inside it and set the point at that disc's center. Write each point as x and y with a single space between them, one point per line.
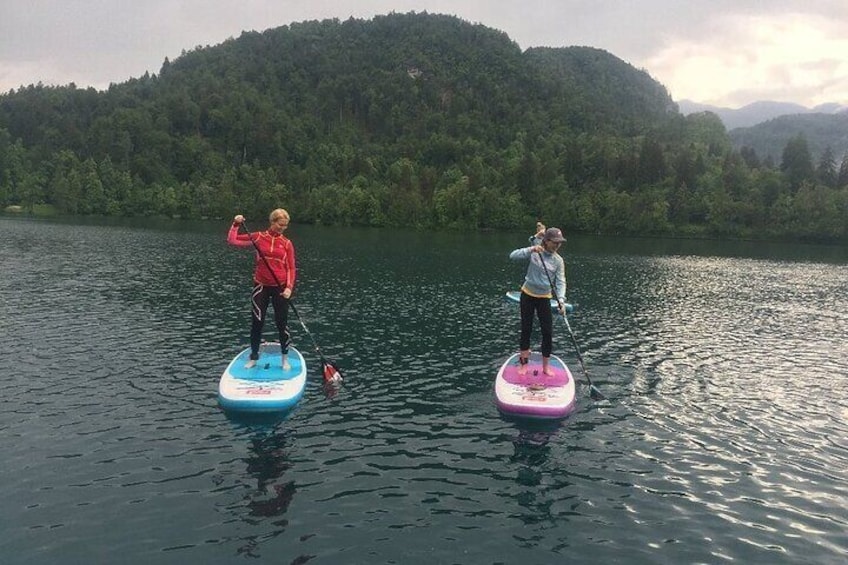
592 387
560 305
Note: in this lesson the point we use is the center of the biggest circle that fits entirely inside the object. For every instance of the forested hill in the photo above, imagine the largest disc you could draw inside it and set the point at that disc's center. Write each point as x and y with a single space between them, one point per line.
596 88
405 119
826 134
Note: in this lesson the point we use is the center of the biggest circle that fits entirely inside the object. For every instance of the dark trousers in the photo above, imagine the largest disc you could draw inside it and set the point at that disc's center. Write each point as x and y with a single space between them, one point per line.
260 298
542 308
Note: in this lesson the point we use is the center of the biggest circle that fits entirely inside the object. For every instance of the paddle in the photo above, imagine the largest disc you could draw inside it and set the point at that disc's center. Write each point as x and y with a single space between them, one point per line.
332 374
593 390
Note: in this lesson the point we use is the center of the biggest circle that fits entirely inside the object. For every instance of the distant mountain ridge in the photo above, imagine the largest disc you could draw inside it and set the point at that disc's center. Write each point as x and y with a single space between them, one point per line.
757 112
767 126
821 131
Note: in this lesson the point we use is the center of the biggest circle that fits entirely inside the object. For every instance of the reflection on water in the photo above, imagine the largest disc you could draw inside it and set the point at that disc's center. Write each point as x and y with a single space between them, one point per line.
532 450
724 438
266 462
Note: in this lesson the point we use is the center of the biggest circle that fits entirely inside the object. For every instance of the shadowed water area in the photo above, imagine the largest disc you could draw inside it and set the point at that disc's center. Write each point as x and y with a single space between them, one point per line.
724 437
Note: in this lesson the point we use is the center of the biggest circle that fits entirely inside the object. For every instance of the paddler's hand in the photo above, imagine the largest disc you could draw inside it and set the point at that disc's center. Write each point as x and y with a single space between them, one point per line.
561 309
238 219
286 293
536 248
540 230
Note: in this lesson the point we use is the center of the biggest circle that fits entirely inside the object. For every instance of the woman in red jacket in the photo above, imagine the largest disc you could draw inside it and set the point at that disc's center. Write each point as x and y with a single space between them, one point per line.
269 285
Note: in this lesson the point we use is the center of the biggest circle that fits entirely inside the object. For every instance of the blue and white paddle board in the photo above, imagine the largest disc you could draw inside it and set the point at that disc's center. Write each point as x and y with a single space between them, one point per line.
515 296
265 387
534 394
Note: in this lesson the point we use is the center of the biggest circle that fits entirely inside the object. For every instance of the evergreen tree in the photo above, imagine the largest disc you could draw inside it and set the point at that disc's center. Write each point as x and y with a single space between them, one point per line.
651 168
842 177
826 172
750 156
797 163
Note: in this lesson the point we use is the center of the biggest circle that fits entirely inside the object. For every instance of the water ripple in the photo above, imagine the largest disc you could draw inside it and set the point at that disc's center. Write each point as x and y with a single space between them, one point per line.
724 437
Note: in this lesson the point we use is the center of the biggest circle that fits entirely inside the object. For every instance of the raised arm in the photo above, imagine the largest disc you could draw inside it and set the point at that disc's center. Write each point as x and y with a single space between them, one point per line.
523 253
236 238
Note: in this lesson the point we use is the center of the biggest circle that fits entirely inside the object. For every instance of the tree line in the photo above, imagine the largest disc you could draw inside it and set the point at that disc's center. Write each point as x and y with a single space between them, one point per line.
407 120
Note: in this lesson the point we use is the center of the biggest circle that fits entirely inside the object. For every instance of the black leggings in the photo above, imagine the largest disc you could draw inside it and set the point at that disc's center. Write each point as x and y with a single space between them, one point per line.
541 307
259 306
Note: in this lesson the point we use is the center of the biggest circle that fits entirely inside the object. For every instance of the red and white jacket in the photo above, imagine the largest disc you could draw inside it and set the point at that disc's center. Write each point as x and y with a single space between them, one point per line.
277 249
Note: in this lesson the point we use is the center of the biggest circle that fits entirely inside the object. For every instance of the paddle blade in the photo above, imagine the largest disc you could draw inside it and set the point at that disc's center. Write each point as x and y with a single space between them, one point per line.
595 394
332 376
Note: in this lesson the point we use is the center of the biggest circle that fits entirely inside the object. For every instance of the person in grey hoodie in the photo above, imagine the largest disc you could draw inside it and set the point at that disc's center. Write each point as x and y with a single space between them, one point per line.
545 272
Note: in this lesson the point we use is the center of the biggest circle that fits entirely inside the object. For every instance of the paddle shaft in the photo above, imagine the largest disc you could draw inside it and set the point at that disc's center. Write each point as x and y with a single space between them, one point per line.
276 280
561 306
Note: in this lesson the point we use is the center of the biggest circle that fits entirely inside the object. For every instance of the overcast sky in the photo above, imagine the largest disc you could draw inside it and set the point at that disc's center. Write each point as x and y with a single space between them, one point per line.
722 52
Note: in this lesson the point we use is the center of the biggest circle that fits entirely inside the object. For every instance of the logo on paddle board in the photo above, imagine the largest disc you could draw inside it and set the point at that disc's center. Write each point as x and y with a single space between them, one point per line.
535 396
259 390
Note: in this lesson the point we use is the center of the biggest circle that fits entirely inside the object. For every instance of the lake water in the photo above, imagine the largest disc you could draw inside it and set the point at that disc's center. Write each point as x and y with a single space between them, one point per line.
724 437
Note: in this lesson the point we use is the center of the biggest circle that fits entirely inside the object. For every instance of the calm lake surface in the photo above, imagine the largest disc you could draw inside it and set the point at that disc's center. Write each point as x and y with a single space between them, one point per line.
724 438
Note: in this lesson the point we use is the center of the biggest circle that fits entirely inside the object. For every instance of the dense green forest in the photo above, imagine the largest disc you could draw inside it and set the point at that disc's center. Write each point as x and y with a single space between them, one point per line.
407 119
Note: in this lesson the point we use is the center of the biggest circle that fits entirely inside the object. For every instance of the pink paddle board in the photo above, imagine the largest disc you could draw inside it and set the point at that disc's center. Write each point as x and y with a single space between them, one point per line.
534 394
